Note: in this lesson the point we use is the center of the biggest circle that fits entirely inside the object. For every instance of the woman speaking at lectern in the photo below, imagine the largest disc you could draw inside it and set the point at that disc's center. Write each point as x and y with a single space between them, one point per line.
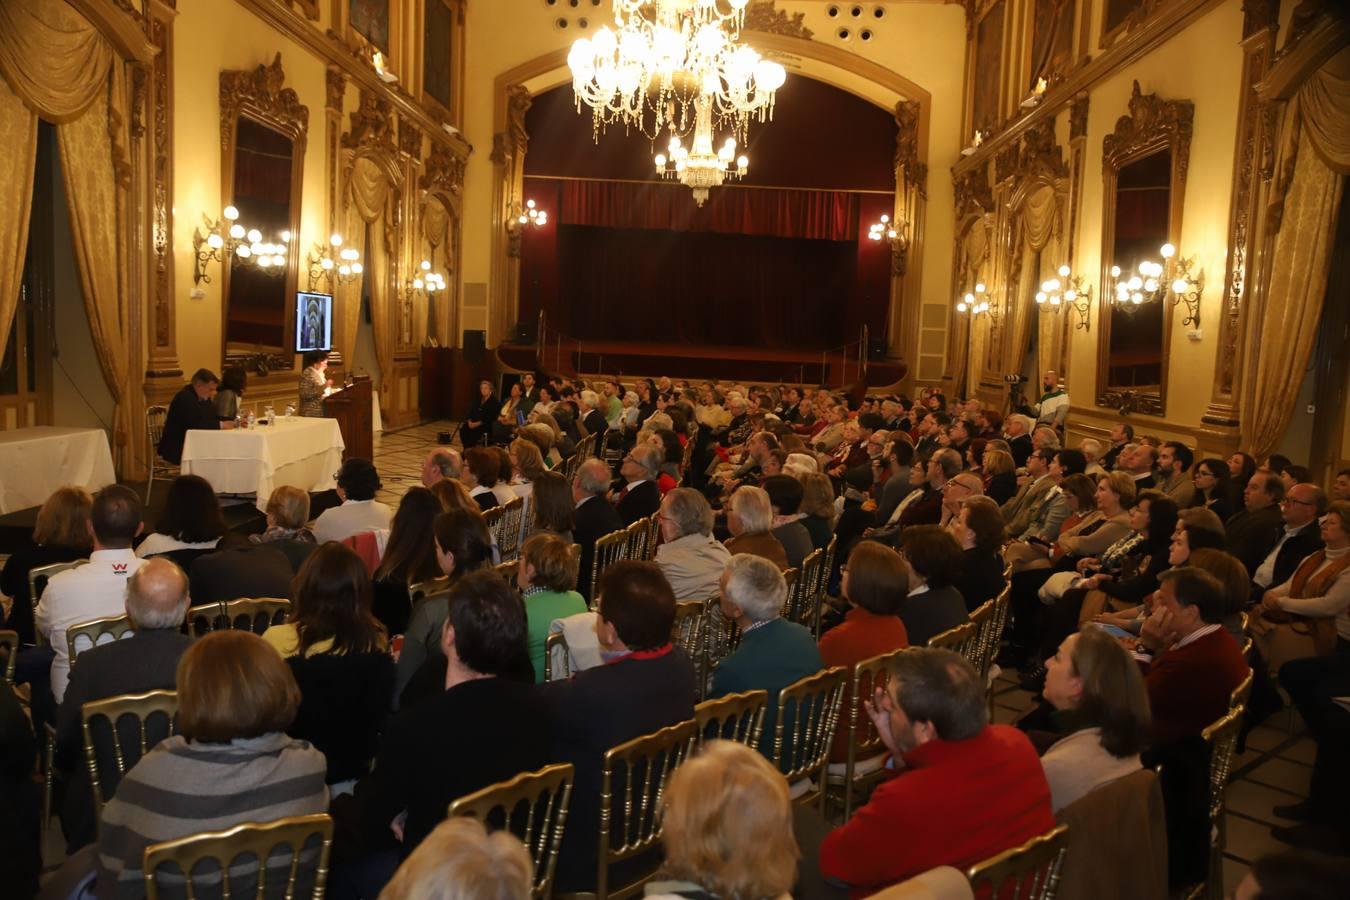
313 383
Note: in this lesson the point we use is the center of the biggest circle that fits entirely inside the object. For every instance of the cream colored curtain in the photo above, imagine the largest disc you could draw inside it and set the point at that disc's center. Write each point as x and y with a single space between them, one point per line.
378 255
1040 212
96 196
19 126
1325 104
1287 326
370 196
1037 222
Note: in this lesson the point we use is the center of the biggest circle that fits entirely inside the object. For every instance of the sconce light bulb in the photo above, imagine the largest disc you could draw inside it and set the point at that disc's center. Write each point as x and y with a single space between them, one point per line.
335 239
231 213
1168 251
278 260
961 307
1054 301
417 284
237 232
1063 271
983 307
1070 294
357 268
344 269
1115 271
215 241
660 160
1040 296
286 237
892 234
969 299
529 204
243 251
979 287
873 236
543 219
1180 286
326 264
426 265
254 236
885 219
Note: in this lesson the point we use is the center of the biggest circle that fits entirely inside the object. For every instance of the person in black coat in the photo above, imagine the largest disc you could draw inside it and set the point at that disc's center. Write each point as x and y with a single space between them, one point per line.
21 812
478 423
483 728
60 535
638 496
595 516
191 408
646 685
1301 535
933 604
980 531
253 570
157 599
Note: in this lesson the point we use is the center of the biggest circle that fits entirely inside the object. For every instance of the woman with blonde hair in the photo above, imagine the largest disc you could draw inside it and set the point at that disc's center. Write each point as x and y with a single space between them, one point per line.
750 521
461 861
60 535
727 828
1000 474
818 506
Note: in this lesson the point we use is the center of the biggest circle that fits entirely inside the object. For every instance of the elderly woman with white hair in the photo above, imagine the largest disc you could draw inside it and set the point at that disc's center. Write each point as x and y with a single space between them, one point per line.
592 418
690 557
750 521
773 652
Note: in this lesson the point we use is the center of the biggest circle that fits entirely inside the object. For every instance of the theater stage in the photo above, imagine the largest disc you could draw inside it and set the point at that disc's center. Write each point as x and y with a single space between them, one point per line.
767 365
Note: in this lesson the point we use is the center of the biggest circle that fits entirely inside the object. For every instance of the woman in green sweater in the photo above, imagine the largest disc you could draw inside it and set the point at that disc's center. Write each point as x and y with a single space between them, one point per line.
546 577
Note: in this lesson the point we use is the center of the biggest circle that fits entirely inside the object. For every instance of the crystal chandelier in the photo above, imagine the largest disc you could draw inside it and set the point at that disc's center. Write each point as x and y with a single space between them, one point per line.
700 167
665 55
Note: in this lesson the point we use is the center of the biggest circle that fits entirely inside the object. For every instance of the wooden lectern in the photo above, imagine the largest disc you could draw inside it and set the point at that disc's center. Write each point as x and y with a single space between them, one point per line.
352 407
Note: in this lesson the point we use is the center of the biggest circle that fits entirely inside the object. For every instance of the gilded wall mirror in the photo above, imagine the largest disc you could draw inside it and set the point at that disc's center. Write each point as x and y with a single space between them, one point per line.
262 139
1144 174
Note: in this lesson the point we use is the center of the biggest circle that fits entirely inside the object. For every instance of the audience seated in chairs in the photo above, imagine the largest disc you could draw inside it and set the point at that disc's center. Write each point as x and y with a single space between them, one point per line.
191 524
785 499
479 474
773 652
1095 684
546 576
441 463
409 558
463 544
156 601
817 508
230 762
979 529
750 521
287 513
646 685
1256 526
969 790
426 757
689 556
92 591
554 508
338 653
932 604
357 482
60 535
247 570
502 490
726 828
461 861
595 515
639 496
1303 505
527 464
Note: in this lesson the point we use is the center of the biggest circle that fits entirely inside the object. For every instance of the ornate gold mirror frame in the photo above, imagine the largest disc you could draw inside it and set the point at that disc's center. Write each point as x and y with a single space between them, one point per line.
258 94
1152 125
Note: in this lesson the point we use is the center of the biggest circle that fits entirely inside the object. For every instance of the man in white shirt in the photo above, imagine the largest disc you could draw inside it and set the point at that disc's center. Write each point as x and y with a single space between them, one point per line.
690 557
97 589
1053 408
357 482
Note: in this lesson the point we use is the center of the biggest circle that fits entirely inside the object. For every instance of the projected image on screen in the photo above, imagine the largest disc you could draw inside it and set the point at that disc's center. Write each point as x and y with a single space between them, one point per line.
313 322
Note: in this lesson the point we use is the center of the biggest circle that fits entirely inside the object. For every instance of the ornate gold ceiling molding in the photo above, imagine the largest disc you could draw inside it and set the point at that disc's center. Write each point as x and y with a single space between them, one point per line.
761 16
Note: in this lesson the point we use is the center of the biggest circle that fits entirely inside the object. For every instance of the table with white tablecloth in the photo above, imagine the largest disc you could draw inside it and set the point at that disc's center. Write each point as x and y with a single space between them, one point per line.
36 461
296 451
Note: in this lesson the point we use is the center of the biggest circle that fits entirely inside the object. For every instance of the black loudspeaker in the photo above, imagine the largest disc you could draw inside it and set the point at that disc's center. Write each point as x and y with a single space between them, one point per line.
876 348
526 331
475 345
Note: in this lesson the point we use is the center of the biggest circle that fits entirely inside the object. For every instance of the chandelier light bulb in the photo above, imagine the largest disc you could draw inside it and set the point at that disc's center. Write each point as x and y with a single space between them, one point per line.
1136 299
254 236
604 43
278 260
264 261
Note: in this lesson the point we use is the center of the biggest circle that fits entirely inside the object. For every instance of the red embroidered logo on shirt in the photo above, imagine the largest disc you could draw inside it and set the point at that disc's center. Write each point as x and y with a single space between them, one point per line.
119 568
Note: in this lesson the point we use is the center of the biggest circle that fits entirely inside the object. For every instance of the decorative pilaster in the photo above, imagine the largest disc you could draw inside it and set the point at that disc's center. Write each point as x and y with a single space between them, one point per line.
163 361
508 159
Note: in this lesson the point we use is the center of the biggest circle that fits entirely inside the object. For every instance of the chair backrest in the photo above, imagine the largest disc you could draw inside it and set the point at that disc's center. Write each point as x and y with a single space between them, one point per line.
533 807
803 603
508 571
494 517
113 710
609 549
735 717
420 589
89 634
512 528
632 782
9 645
688 632
986 644
864 741
40 575
304 842
1033 868
963 639
808 713
1241 693
246 614
721 636
1222 737
557 659
155 417
991 628
1126 815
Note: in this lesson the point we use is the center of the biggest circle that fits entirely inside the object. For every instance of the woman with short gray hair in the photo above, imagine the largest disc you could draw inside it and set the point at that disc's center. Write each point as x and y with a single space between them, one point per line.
749 519
690 557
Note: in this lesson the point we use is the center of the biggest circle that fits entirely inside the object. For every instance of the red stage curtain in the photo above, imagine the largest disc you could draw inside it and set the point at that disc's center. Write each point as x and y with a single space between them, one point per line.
664 206
669 286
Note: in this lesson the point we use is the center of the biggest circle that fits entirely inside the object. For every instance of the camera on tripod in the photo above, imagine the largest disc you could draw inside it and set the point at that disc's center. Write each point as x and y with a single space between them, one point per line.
1016 379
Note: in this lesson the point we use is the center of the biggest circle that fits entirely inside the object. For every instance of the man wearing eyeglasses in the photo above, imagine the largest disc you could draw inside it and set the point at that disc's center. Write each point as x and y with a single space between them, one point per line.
1301 507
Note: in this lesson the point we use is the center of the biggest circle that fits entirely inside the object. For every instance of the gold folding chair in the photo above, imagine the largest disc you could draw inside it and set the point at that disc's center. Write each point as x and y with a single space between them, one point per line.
983 620
1033 868
865 766
632 783
801 750
116 627
304 842
721 636
256 615
508 571
735 717
557 663
112 710
155 417
493 518
793 600
533 806
807 593
9 643
512 529
1241 693
419 590
1222 737
609 549
40 575
823 583
638 535
963 639
688 633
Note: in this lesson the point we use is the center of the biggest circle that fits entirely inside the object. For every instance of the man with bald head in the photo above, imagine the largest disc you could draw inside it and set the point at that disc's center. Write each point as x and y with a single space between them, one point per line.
441 462
156 601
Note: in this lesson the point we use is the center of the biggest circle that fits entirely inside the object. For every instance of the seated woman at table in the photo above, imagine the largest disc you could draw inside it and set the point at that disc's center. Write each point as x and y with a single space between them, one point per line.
61 535
190 409
191 523
232 383
314 383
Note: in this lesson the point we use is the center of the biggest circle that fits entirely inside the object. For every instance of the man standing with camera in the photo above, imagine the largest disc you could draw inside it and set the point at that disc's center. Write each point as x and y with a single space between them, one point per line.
1053 407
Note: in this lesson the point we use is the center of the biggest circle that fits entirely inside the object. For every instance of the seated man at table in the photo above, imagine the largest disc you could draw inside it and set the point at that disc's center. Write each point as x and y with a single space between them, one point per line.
190 408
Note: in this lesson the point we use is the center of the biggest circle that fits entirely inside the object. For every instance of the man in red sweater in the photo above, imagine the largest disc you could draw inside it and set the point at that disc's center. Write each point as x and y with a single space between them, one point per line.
1190 683
968 790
